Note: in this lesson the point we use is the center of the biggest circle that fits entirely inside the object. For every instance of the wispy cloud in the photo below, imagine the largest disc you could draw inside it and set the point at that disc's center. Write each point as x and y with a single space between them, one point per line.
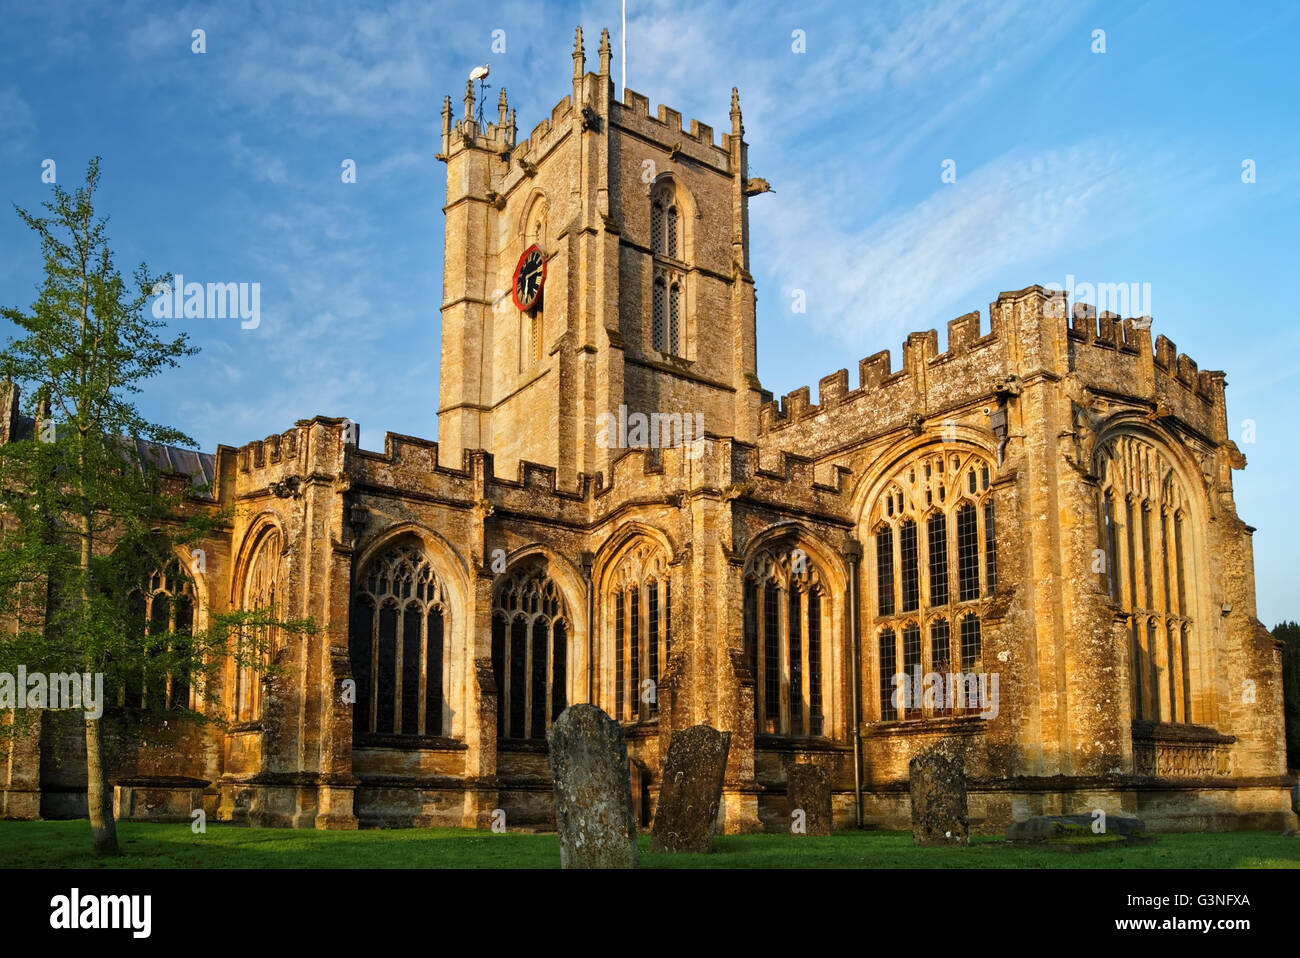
262 164
17 122
873 284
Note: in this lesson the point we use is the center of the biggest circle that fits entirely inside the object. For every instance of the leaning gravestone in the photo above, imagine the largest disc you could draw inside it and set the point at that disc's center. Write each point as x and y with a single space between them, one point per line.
691 791
937 779
593 797
809 789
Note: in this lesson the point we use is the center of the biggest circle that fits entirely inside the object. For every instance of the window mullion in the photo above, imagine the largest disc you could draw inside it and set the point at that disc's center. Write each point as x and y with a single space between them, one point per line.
760 653
805 672
528 678
422 713
783 657
374 666
399 669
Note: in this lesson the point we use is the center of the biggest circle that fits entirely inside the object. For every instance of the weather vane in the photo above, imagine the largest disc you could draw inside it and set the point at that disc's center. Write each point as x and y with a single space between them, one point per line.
480 74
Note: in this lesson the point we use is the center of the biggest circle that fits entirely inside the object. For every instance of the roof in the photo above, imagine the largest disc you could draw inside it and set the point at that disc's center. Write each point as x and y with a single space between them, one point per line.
201 467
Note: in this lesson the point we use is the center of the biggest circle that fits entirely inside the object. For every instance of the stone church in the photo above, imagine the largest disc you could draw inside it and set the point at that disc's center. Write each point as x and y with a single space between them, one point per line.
1025 545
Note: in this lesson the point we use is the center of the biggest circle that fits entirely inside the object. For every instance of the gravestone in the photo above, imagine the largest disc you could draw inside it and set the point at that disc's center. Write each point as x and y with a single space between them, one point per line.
593 797
937 782
809 790
1295 807
634 785
694 771
1041 828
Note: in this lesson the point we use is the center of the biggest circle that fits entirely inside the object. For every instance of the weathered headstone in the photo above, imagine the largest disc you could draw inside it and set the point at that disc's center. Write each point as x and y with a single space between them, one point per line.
691 791
1295 807
809 790
937 780
593 797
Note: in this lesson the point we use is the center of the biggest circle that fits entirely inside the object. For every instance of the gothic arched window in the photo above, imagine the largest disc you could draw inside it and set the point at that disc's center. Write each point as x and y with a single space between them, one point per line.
1144 521
530 653
398 645
163 612
640 601
262 591
784 612
930 594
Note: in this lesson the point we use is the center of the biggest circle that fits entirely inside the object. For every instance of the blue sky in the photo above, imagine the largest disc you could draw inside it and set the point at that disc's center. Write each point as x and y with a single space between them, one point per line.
1122 166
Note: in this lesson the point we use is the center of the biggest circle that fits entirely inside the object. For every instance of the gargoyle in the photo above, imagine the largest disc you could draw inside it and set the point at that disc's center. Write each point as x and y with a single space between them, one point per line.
290 487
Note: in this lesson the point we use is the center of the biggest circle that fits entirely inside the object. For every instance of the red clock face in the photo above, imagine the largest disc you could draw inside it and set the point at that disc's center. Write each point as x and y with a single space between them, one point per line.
530 277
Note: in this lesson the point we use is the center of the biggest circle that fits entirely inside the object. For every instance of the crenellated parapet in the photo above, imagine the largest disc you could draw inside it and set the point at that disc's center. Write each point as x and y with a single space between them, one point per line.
928 381
665 129
728 467
526 154
1116 355
1028 337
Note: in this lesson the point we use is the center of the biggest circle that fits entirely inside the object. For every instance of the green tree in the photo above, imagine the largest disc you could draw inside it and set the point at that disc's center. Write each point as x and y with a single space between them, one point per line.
1288 633
86 513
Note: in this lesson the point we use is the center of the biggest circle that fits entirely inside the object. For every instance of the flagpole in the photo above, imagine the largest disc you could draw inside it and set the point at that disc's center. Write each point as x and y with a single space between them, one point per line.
623 41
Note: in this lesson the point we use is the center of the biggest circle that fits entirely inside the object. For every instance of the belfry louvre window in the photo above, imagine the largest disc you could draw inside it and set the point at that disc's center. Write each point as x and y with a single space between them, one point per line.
1144 518
668 280
675 319
930 596
660 319
640 607
665 223
399 627
785 610
530 651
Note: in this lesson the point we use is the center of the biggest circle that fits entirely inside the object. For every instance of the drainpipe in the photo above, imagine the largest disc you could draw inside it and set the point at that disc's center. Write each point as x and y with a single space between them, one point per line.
588 560
853 553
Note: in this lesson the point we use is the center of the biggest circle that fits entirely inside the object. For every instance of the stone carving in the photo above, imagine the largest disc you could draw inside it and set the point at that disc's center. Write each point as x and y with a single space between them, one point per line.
1182 760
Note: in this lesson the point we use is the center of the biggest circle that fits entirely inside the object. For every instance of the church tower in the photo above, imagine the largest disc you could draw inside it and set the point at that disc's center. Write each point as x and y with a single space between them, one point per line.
641 300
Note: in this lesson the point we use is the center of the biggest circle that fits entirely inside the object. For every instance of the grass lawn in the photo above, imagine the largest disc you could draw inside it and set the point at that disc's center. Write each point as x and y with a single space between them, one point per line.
145 845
